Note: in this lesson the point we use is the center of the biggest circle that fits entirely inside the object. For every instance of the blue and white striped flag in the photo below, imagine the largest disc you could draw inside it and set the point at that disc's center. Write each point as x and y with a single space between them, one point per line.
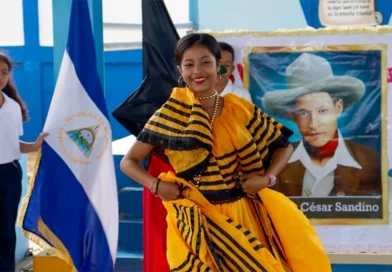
72 206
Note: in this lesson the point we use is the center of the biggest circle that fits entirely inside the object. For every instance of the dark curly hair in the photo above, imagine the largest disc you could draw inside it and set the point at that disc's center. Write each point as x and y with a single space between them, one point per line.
11 91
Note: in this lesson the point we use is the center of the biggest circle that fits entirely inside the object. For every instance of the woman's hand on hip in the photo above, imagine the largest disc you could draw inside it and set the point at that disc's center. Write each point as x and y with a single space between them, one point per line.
168 190
254 184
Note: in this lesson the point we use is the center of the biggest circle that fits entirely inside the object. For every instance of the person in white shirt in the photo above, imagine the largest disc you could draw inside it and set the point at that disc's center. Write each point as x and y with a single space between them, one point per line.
224 84
12 114
324 163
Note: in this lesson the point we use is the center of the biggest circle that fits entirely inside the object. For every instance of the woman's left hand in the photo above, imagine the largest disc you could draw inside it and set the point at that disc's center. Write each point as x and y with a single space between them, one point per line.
38 143
253 184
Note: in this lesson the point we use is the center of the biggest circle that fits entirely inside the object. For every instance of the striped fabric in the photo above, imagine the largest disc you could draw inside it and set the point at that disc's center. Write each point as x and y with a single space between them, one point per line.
200 238
215 227
181 127
213 242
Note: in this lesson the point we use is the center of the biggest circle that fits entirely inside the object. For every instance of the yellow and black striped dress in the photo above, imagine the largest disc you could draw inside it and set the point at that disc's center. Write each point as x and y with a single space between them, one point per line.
215 226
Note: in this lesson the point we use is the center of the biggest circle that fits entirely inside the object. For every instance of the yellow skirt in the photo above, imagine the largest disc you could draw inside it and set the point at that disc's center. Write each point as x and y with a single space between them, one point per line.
267 234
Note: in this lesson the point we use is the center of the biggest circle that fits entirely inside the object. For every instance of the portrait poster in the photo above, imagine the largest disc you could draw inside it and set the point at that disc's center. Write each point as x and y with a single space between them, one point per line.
330 87
331 98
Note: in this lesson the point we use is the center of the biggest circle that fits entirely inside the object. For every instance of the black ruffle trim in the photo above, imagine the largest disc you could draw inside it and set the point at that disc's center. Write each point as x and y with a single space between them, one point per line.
169 142
282 141
161 142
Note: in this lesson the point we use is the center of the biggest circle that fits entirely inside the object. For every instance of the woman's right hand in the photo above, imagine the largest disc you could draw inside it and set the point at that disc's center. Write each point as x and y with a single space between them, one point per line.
168 190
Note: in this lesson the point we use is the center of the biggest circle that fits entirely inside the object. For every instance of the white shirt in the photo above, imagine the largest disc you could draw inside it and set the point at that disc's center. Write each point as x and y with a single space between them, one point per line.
11 128
320 180
238 91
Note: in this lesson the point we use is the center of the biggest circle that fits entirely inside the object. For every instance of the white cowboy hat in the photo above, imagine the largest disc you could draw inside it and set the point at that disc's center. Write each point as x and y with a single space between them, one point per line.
310 74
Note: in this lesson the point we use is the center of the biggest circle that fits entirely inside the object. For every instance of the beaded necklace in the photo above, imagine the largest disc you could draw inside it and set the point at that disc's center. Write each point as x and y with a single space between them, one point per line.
198 177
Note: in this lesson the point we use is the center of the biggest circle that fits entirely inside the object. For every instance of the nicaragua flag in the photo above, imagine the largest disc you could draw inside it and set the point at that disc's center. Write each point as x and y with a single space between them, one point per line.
71 208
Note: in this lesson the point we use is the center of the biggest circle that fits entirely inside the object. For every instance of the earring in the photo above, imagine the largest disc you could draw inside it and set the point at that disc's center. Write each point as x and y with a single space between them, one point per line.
180 81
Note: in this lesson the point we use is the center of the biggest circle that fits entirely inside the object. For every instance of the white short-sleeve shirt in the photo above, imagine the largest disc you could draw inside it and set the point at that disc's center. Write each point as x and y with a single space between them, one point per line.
11 128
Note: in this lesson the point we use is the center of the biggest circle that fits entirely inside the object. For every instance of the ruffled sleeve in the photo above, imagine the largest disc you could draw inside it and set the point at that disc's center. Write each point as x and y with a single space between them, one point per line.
268 135
180 133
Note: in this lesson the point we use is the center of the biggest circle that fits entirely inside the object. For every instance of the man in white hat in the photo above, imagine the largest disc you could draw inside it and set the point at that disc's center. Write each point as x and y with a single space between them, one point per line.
323 163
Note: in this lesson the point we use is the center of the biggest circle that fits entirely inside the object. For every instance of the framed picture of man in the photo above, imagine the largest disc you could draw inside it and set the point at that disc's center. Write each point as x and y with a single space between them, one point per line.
334 99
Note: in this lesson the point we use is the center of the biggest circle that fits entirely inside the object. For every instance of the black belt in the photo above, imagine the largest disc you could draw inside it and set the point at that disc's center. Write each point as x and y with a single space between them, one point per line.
223 196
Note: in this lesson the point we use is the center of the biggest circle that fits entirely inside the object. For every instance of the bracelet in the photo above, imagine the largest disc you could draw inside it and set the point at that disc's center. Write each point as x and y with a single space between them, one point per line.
272 180
156 187
152 186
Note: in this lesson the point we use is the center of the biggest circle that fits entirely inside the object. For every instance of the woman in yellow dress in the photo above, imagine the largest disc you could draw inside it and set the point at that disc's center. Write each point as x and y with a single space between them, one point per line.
226 153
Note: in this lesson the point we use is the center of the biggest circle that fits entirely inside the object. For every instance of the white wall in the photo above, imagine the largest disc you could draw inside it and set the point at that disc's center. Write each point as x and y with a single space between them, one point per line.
114 11
256 15
11 23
